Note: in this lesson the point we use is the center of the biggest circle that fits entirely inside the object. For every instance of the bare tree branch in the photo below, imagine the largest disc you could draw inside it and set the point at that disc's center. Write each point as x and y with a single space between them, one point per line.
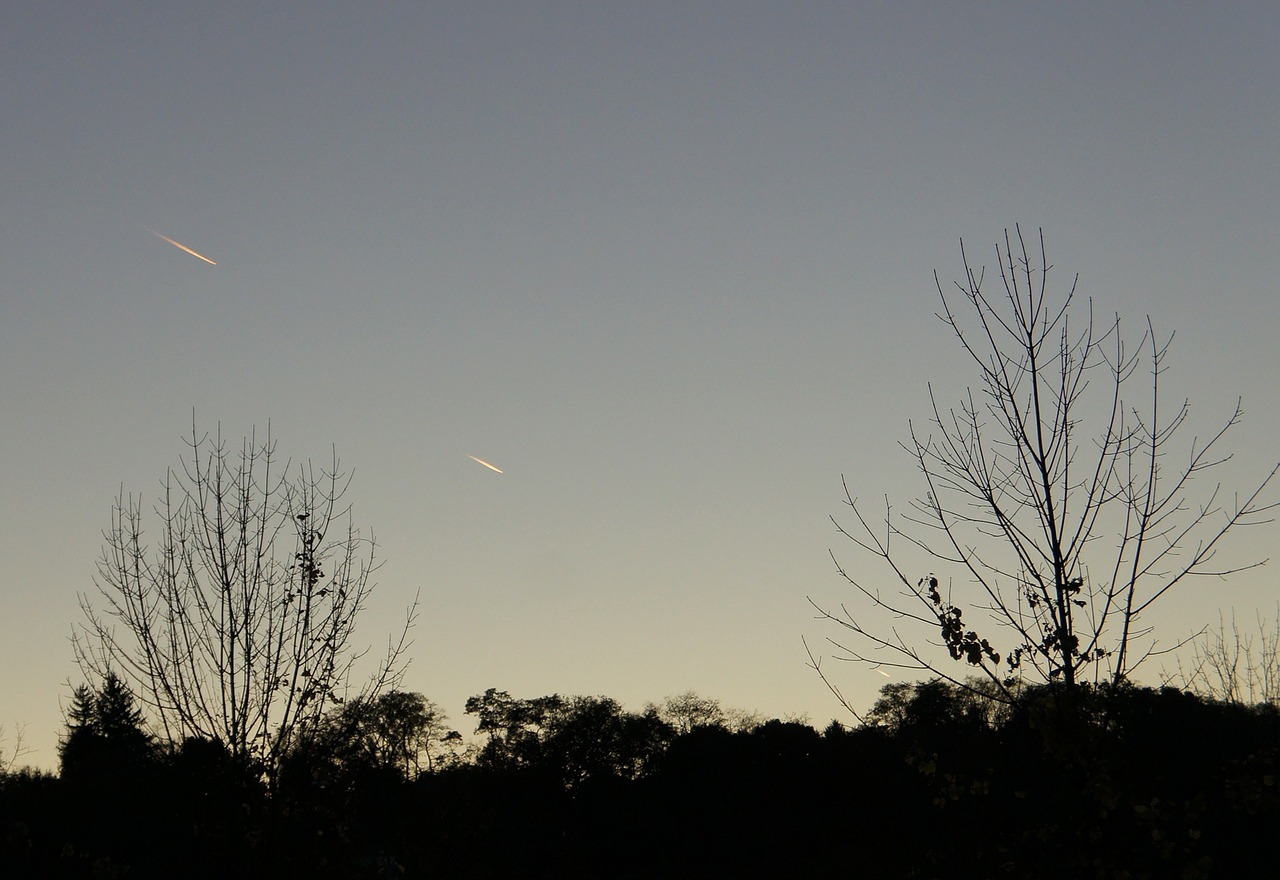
238 625
1234 665
1049 507
11 755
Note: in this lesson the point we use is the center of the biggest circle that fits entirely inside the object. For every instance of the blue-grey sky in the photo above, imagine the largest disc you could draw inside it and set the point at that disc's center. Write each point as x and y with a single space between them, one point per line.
669 265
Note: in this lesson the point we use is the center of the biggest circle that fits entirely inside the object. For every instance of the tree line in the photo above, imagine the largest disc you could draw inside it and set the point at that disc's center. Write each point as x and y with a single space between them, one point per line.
937 779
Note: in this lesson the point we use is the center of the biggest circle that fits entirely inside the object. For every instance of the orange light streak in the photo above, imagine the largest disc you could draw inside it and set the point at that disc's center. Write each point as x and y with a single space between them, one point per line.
485 463
180 245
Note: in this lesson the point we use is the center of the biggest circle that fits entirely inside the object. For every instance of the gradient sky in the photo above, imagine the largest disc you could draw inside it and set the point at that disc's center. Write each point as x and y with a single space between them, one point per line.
668 265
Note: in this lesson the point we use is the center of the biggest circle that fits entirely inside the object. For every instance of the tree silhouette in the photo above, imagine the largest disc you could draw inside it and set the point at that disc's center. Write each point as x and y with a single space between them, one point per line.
1235 665
105 732
11 754
687 711
238 625
569 739
513 726
1052 516
1089 781
593 738
398 733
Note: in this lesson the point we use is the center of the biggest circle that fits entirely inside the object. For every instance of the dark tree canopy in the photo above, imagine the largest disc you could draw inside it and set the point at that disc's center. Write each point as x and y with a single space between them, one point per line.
399 733
105 731
573 739
940 781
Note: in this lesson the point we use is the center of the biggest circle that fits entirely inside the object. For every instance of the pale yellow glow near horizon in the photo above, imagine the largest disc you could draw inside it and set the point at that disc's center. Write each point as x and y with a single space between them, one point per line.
180 245
485 463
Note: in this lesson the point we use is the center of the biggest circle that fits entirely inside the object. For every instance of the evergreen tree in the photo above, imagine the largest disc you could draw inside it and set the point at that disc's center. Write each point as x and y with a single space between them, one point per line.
105 733
119 720
81 739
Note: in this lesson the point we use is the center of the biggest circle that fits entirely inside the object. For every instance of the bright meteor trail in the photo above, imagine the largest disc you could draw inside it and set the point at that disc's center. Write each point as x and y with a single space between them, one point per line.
178 245
485 463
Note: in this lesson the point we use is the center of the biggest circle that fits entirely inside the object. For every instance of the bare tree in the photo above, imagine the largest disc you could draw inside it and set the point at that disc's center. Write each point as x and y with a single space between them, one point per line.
687 711
238 624
1050 509
9 759
1234 665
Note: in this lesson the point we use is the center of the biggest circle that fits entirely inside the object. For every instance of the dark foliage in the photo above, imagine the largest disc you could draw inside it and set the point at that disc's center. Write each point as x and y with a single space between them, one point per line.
1157 783
105 736
575 741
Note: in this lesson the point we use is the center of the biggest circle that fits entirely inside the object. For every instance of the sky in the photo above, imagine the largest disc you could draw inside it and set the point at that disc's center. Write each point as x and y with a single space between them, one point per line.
668 265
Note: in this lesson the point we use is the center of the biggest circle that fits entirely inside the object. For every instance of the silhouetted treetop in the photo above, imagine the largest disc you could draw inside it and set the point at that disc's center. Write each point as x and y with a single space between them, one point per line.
105 731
